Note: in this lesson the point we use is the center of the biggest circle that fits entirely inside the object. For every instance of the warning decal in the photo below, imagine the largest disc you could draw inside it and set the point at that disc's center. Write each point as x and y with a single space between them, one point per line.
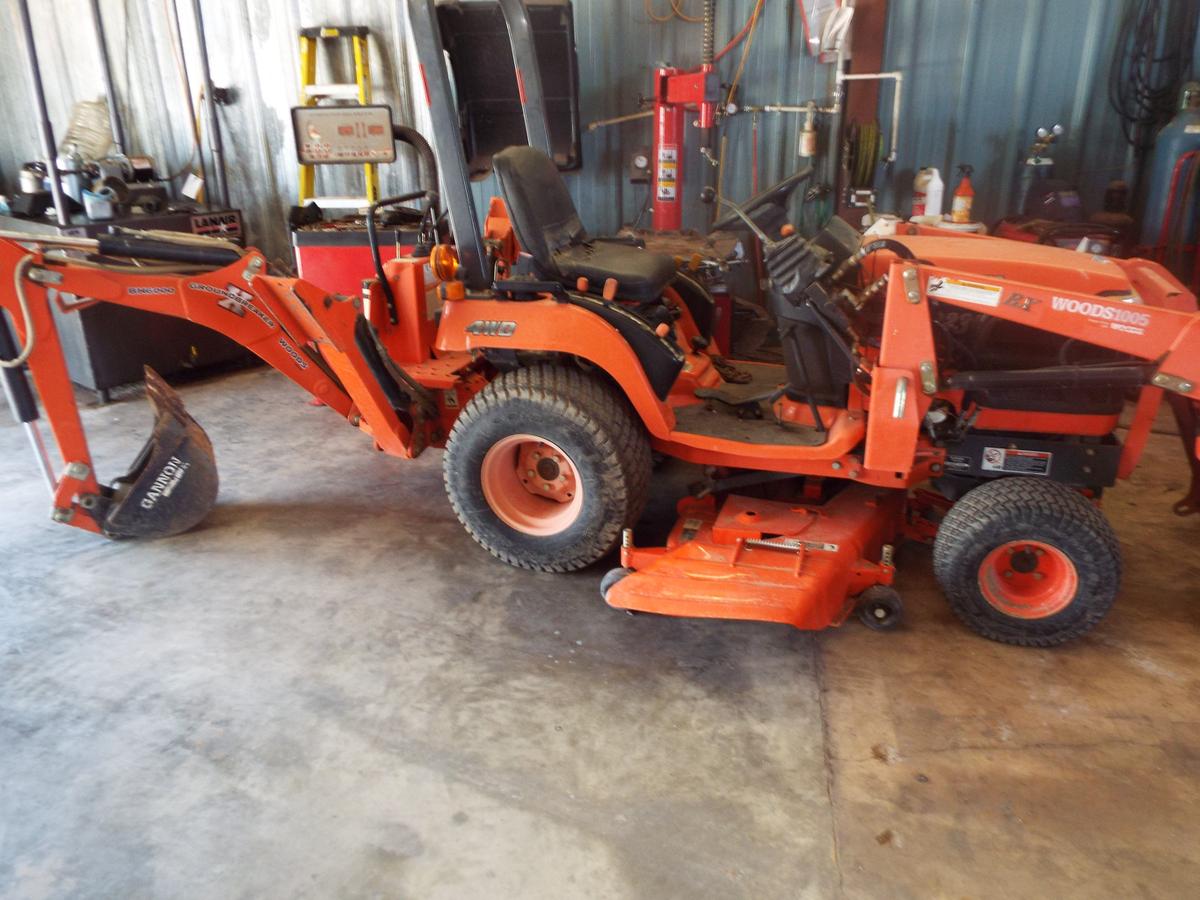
1019 462
964 291
668 172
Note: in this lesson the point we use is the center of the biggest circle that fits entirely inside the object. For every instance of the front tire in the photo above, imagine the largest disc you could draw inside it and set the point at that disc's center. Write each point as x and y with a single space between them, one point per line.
545 466
1026 561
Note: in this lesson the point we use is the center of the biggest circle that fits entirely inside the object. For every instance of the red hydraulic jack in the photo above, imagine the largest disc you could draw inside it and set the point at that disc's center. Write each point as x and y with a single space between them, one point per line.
677 92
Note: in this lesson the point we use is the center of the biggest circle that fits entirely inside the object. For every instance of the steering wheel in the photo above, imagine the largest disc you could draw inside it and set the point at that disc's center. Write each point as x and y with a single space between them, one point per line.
775 195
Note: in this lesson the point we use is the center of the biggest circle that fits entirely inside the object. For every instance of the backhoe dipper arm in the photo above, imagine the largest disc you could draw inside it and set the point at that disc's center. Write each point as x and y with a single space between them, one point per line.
309 336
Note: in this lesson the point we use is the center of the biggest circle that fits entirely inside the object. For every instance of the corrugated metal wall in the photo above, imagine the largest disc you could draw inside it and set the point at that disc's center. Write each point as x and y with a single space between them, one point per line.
253 49
984 75
981 75
618 45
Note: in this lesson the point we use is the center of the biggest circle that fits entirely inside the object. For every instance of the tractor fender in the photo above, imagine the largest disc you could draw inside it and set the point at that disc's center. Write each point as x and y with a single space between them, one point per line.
642 364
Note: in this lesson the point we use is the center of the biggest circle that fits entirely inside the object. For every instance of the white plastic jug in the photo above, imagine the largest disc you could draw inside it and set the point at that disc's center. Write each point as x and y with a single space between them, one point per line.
928 189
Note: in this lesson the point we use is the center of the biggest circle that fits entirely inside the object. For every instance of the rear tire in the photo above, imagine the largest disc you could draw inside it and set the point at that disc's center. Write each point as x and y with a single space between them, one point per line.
594 437
1026 561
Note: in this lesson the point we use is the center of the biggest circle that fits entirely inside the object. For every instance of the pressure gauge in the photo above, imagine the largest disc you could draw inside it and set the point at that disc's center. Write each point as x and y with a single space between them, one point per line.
640 166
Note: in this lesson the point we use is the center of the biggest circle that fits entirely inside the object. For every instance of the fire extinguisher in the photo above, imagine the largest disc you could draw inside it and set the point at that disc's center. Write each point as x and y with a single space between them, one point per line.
964 196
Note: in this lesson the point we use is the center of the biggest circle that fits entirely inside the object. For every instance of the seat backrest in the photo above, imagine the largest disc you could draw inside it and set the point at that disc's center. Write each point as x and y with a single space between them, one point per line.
542 212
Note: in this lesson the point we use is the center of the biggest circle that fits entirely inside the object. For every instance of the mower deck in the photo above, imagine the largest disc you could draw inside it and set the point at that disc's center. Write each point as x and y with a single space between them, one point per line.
798 564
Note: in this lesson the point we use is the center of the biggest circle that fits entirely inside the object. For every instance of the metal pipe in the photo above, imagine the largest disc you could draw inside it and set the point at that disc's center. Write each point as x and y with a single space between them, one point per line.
836 107
49 153
191 106
55 240
39 451
215 147
898 78
783 108
114 113
617 120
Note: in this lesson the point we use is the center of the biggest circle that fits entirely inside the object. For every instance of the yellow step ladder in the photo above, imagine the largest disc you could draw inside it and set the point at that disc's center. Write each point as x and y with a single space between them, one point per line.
312 93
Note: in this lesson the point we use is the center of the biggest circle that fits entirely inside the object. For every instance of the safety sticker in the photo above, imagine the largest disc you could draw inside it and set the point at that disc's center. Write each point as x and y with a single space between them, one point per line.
668 172
964 291
1020 462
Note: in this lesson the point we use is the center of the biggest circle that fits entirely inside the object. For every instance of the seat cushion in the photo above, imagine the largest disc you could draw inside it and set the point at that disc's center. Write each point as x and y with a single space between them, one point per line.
641 275
539 204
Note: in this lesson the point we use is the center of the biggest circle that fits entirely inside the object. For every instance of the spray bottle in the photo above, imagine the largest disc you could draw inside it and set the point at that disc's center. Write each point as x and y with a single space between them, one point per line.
928 188
964 196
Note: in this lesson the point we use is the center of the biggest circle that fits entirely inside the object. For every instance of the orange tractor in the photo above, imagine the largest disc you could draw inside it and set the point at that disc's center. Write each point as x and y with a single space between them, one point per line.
551 365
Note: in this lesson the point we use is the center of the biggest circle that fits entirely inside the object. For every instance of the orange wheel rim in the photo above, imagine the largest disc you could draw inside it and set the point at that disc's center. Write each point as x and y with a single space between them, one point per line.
1028 579
531 485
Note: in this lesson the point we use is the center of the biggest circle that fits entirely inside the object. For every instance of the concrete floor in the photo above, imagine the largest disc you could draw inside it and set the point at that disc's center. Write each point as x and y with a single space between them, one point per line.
329 691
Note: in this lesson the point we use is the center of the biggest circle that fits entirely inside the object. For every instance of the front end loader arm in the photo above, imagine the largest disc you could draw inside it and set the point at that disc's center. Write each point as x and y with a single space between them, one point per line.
316 340
1157 322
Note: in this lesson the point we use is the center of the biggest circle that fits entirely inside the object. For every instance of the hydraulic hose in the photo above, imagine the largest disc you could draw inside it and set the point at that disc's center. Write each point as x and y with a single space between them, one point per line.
867 249
19 272
886 244
427 170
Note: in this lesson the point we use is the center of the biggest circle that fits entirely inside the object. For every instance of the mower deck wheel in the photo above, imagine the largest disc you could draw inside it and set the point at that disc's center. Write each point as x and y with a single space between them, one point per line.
611 577
1027 561
880 608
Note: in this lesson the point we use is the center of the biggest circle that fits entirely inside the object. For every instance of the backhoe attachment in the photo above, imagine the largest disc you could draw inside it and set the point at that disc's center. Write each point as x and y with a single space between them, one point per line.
172 484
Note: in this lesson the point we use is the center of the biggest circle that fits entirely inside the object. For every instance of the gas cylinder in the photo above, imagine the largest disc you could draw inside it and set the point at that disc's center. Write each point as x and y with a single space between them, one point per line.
1181 135
928 188
964 196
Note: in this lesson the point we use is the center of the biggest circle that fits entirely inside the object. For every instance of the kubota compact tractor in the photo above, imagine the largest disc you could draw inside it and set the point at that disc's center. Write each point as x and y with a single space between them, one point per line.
550 365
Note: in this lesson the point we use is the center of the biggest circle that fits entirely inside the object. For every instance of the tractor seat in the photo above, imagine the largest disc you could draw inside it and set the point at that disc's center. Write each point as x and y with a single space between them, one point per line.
548 229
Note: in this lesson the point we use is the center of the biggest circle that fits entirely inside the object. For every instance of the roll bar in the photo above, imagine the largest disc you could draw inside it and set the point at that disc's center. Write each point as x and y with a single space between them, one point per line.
443 115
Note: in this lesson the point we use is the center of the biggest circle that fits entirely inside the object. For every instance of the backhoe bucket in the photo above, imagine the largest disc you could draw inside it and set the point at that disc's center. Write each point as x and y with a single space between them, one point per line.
173 482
